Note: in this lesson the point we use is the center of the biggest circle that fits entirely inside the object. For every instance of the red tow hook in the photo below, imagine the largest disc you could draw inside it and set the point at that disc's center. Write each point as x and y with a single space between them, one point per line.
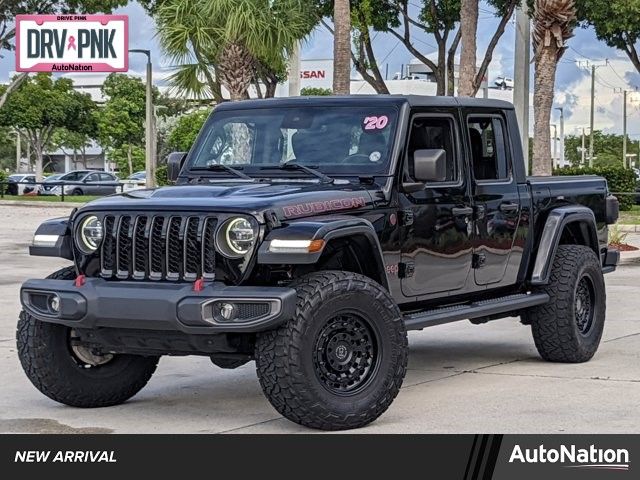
79 282
198 285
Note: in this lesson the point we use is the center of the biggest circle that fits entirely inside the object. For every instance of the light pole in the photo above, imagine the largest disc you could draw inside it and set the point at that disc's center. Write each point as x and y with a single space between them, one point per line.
555 144
521 75
561 160
150 160
294 71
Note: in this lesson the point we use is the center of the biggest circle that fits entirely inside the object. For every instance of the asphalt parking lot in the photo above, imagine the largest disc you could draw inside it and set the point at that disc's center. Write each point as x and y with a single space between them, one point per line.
462 378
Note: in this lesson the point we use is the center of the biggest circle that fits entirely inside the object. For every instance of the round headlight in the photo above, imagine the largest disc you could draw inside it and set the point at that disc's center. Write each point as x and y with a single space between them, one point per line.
238 237
90 234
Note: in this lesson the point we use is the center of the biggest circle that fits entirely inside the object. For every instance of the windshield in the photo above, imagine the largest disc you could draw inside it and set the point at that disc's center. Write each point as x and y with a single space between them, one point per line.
347 140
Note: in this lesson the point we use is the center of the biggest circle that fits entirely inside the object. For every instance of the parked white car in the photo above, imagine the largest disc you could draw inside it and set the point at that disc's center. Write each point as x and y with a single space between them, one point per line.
135 181
505 83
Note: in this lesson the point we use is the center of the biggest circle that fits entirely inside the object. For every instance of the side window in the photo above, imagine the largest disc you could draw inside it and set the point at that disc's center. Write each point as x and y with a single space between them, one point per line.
93 178
105 177
429 133
488 148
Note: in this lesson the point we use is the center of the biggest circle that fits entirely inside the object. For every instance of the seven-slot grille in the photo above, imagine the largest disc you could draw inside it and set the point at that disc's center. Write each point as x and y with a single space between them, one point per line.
158 247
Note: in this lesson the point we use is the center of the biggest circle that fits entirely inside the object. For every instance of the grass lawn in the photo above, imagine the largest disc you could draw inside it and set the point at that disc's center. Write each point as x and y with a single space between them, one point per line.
50 198
630 217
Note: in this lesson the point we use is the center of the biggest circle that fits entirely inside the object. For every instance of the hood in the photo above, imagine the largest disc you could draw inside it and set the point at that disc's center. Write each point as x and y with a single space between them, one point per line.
287 200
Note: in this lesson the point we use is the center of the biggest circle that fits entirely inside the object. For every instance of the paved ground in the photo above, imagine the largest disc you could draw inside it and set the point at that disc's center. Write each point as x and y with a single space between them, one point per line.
462 378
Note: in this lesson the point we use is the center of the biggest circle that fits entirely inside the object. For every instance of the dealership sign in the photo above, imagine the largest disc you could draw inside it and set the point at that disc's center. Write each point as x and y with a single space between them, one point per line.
72 43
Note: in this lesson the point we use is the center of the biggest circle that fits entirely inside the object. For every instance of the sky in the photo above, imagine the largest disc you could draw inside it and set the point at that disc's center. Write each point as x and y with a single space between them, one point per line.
572 81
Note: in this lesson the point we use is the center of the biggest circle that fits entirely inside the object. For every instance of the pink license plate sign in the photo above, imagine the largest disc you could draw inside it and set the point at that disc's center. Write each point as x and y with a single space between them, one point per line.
72 43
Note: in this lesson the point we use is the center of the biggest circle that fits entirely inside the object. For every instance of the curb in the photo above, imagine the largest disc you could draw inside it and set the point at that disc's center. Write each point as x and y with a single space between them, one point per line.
38 203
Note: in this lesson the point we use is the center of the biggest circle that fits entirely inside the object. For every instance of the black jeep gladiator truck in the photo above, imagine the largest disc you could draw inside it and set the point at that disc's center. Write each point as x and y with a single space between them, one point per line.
309 235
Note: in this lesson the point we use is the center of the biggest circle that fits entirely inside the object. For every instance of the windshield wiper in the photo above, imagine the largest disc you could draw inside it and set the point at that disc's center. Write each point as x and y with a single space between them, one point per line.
291 165
219 167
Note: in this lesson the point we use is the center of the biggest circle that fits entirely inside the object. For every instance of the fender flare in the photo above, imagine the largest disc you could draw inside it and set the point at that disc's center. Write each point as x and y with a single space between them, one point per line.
60 247
322 228
555 224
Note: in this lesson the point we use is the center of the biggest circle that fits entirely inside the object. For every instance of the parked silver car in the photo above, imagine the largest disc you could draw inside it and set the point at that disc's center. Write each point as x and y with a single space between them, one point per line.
85 182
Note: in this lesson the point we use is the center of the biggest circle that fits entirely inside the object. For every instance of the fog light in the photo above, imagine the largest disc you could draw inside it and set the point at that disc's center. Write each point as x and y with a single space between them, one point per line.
227 311
54 303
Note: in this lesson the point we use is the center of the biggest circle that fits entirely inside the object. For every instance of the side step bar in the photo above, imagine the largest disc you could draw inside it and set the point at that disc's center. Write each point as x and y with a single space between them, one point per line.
483 308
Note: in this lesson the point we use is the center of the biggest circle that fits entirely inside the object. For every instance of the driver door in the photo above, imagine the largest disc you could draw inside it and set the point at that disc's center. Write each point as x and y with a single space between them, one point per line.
436 221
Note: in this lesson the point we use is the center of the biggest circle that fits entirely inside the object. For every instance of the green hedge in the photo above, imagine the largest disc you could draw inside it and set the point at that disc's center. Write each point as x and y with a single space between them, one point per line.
619 179
315 91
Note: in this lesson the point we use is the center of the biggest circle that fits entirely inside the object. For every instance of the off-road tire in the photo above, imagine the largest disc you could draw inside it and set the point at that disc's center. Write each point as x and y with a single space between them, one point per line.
47 359
288 369
555 326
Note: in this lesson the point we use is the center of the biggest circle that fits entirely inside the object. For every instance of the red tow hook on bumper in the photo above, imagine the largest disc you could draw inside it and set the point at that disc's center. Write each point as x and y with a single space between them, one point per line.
198 285
79 281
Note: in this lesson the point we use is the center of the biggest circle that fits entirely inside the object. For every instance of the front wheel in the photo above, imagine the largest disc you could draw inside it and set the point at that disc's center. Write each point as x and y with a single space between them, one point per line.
68 372
340 362
569 328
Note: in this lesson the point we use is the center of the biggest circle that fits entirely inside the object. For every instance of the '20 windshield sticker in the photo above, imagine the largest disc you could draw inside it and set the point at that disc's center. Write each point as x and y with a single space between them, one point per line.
376 123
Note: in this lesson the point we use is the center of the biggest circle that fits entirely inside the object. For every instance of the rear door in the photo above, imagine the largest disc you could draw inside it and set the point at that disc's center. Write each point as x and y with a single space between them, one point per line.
495 198
436 221
93 185
108 183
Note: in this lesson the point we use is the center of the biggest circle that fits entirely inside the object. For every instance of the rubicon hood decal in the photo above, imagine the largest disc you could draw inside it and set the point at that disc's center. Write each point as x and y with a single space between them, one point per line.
313 208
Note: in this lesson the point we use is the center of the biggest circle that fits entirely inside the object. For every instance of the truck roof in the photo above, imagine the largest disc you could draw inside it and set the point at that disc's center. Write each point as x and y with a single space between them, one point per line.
342 100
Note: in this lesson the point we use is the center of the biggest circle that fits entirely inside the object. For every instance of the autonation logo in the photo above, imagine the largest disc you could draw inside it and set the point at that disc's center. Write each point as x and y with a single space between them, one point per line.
573 457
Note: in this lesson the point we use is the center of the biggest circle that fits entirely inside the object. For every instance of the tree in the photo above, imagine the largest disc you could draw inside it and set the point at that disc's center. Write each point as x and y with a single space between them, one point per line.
7 149
553 24
615 22
341 47
186 130
121 121
438 18
471 76
607 149
40 106
231 42
366 16
468 33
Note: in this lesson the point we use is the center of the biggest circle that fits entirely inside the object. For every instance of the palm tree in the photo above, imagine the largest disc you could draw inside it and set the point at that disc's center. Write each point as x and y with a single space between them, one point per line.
230 42
341 47
468 34
553 24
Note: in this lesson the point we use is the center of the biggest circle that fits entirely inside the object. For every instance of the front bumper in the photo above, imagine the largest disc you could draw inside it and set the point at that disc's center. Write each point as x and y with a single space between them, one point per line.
157 306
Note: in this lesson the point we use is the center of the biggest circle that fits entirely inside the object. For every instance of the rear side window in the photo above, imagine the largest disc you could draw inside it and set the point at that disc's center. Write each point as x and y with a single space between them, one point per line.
93 178
105 177
488 148
434 133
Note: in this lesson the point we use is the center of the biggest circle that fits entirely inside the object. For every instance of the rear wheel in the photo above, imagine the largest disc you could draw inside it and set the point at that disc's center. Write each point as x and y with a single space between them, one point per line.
68 372
340 362
569 327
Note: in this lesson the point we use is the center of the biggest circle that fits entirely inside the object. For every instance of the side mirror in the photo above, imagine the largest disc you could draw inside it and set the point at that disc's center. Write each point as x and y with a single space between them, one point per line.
430 165
175 161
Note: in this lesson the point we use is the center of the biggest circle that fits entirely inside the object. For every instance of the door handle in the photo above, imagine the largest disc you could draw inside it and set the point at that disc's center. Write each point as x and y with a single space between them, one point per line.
509 207
460 211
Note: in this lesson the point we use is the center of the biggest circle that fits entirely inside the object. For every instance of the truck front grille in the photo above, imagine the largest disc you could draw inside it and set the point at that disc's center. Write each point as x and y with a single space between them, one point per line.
158 247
